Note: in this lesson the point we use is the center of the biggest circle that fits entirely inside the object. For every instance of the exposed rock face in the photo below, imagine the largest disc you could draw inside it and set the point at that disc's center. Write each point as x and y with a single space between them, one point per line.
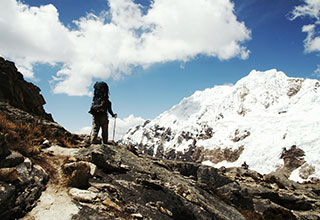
128 185
293 158
21 184
17 92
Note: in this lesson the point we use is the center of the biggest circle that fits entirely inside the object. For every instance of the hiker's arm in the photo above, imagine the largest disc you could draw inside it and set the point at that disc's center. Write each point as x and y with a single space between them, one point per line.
110 109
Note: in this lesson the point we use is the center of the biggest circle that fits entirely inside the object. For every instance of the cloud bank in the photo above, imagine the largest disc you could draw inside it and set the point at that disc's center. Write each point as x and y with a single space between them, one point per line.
111 44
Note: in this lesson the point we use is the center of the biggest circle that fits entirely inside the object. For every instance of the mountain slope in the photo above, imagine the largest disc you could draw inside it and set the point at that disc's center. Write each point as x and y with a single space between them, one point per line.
252 121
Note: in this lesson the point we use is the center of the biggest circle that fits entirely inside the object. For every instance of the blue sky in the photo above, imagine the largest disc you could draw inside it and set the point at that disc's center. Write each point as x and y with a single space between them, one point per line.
170 66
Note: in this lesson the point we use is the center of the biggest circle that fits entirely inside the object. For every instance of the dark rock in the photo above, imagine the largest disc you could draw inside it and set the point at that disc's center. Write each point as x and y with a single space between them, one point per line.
186 168
79 174
9 175
292 158
7 196
17 92
281 180
4 150
278 213
236 195
269 196
103 157
210 176
19 197
152 188
13 159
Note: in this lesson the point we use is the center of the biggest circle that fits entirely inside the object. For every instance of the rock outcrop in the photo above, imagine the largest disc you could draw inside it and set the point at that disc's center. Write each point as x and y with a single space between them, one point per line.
21 184
15 91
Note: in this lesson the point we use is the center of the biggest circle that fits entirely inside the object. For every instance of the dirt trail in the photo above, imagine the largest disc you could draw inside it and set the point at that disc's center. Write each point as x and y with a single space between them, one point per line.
55 202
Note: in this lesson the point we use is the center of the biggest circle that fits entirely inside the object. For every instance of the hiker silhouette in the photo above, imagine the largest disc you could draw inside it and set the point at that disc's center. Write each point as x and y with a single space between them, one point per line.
100 108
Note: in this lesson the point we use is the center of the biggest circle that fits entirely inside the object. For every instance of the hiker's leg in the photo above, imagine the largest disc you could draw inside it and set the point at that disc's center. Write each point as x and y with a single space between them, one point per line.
95 130
105 131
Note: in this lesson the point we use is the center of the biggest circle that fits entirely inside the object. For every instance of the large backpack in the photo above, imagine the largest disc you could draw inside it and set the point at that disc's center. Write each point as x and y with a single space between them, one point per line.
100 98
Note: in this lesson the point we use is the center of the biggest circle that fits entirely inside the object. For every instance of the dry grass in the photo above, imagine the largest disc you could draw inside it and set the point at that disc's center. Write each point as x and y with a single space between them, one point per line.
22 137
27 137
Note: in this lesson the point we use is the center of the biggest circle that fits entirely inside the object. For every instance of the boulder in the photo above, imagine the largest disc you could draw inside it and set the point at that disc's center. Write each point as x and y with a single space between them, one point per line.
82 195
13 159
210 176
20 189
79 173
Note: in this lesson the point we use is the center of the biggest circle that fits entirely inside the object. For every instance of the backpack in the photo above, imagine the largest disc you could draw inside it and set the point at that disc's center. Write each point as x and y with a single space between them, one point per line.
100 98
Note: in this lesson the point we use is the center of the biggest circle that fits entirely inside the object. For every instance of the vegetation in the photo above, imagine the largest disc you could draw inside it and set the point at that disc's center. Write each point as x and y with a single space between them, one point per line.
27 136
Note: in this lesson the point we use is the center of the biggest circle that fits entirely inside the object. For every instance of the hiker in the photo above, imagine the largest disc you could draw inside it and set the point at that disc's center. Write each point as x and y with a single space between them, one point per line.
99 110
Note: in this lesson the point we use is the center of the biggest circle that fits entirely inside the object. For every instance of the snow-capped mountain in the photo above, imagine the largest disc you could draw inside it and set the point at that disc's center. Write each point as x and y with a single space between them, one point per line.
251 121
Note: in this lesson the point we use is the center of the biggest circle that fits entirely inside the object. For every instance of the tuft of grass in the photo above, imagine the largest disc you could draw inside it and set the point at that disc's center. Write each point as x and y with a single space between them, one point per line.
22 137
26 137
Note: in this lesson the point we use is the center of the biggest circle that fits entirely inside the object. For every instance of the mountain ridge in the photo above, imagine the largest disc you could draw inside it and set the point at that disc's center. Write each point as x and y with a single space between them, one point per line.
263 113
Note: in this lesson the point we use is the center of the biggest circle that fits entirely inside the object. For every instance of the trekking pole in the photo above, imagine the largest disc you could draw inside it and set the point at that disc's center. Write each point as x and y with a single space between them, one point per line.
114 128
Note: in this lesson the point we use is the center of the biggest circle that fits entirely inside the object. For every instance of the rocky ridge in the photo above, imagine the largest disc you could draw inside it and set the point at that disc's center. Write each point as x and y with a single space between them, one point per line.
15 91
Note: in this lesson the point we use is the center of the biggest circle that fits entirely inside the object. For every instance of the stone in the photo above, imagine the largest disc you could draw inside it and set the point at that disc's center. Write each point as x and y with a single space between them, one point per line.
102 156
7 196
292 158
79 173
82 195
45 144
20 188
211 177
110 204
13 159
24 170
281 180
4 150
137 216
306 170
9 174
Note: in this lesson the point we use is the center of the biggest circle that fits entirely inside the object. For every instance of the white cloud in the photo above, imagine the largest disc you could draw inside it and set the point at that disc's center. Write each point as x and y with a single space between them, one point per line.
111 44
122 126
312 42
310 8
85 130
32 34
